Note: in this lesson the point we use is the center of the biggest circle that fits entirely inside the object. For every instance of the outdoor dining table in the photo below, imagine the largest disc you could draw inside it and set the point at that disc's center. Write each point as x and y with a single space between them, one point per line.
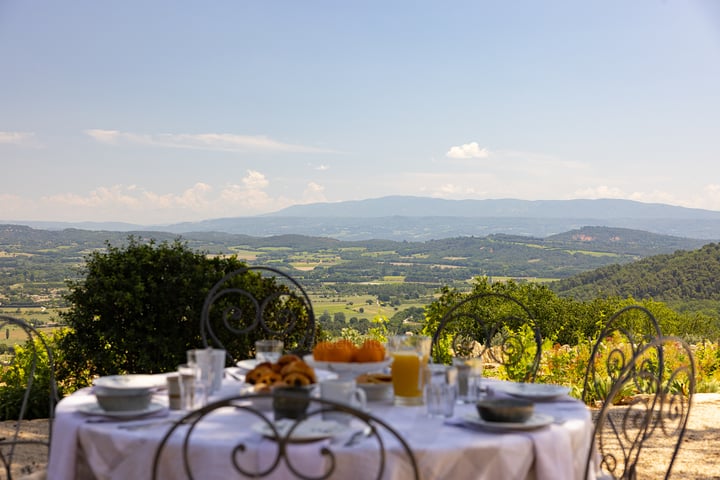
95 447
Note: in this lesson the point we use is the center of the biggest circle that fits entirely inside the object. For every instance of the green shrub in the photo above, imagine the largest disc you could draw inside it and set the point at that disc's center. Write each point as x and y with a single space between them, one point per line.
14 380
138 310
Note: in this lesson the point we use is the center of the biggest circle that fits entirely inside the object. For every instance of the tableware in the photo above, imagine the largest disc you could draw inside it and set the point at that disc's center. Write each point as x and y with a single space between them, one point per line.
174 391
345 392
347 369
306 431
321 374
469 378
375 392
247 364
513 410
409 355
537 420
532 391
130 383
441 390
290 402
211 362
117 400
96 409
268 350
193 390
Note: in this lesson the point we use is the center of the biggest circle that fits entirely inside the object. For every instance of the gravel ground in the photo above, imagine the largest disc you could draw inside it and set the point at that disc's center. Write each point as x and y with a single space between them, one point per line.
699 456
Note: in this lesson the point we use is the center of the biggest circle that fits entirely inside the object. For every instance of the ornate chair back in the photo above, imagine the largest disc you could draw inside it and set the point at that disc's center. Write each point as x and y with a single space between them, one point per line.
257 303
647 409
622 336
494 326
272 448
30 379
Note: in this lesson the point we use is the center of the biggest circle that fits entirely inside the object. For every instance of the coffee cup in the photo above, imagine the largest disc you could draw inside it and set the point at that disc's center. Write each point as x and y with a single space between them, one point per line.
344 391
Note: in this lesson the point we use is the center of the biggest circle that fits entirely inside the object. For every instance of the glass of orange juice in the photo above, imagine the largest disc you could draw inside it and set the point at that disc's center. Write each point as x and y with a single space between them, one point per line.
409 355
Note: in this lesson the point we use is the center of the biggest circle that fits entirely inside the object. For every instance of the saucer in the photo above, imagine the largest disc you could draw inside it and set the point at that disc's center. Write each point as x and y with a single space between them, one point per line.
537 420
96 409
306 431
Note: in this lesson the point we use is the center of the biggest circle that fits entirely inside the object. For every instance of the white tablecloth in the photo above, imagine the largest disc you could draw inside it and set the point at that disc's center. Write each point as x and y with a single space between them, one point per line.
84 448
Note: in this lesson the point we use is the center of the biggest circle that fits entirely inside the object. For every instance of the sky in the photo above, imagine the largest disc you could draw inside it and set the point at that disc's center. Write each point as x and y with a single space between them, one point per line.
163 111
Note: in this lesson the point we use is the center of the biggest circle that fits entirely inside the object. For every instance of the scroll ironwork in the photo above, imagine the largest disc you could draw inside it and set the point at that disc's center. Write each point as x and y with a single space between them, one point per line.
654 415
496 327
623 335
258 302
37 345
388 442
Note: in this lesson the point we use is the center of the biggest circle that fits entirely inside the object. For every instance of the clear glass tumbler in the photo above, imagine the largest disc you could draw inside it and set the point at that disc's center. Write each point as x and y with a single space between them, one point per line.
409 355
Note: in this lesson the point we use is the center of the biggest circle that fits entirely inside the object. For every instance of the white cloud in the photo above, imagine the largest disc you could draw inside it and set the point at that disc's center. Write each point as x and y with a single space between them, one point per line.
255 180
224 142
314 193
468 150
16 138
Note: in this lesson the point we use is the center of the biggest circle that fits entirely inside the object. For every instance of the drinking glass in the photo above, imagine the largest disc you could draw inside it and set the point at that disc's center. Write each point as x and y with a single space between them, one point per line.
441 390
193 391
409 355
469 372
268 350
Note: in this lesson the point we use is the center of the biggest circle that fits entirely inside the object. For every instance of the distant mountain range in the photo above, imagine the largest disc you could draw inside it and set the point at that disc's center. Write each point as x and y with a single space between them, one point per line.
421 218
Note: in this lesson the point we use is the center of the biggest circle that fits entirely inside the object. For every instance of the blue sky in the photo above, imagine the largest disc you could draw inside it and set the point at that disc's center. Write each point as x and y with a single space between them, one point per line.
155 112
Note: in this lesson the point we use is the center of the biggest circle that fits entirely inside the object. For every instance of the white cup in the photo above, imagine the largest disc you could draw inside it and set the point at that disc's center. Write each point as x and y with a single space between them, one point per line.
343 391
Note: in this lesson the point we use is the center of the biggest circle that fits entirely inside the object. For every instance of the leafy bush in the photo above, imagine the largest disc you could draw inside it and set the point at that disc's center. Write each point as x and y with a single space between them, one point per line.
14 380
138 310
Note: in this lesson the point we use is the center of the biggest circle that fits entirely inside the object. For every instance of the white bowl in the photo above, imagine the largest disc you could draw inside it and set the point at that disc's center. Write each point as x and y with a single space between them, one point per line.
376 392
117 400
130 384
348 369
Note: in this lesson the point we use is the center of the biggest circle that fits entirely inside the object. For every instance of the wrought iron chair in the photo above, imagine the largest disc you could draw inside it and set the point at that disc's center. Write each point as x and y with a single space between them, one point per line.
655 388
30 378
622 336
257 302
496 327
384 449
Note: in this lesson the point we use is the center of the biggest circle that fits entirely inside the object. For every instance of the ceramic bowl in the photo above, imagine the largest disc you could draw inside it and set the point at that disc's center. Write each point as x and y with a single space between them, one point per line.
119 400
377 386
514 410
348 370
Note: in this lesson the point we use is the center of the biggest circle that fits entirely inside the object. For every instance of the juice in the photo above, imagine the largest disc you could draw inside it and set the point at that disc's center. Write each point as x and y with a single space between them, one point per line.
410 356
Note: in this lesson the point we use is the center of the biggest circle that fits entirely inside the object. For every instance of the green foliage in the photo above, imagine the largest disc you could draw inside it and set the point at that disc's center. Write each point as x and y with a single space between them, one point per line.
30 360
136 310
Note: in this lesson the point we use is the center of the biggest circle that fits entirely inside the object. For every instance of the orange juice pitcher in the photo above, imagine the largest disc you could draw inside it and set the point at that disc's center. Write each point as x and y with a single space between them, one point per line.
409 355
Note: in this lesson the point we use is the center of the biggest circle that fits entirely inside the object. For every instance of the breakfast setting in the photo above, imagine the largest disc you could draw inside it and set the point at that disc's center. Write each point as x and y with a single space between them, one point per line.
355 400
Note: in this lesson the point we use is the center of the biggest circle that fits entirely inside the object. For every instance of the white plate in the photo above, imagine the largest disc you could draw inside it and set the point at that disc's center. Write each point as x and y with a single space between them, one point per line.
320 373
96 409
532 391
347 369
248 364
306 431
537 420
131 382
